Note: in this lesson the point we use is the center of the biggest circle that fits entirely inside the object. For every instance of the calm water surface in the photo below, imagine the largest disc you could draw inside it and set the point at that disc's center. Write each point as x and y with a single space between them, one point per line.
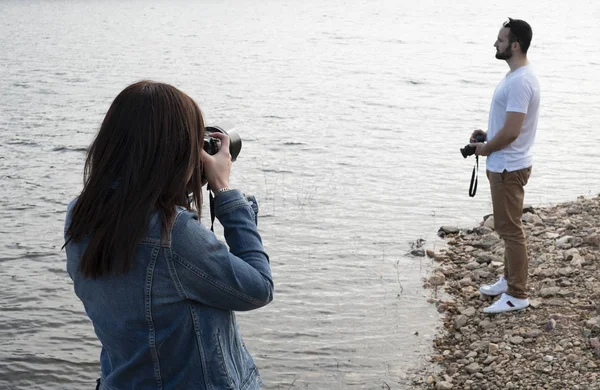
352 114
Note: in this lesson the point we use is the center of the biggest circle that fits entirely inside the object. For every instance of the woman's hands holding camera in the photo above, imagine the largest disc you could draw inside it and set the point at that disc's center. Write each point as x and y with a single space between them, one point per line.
217 167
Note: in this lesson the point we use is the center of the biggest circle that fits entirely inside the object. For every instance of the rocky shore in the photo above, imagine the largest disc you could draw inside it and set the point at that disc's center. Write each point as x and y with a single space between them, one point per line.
553 344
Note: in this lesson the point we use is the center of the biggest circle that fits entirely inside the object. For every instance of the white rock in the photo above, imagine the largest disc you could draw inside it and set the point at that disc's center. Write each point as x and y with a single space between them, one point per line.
526 217
535 303
569 253
593 323
564 240
577 261
489 223
492 348
537 221
565 271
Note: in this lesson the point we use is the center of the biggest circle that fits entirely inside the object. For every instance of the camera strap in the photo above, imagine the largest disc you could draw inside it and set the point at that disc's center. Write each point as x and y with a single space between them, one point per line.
211 202
473 186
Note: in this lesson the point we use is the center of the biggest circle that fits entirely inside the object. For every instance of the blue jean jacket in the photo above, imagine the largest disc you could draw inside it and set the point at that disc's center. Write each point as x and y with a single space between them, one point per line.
170 323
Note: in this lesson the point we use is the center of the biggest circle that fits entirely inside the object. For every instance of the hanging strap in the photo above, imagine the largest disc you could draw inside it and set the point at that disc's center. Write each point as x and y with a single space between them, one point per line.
211 198
250 198
473 186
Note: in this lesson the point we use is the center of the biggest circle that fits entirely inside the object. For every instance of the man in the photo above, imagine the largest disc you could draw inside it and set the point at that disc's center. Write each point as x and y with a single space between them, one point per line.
511 131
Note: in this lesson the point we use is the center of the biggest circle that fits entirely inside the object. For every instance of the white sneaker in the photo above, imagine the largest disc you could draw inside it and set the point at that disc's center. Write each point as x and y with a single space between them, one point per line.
501 286
506 303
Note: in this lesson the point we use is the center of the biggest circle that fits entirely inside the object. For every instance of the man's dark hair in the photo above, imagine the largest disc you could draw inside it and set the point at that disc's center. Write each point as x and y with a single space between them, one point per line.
520 31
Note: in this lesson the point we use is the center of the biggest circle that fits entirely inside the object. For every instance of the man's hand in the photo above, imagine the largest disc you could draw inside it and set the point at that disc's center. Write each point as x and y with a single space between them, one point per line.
476 133
481 149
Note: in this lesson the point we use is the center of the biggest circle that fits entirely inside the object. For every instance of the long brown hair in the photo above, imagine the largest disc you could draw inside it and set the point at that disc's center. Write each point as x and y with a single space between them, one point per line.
139 163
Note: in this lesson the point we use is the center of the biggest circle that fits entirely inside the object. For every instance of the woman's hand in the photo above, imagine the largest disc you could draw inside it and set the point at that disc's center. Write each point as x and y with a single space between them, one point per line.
218 166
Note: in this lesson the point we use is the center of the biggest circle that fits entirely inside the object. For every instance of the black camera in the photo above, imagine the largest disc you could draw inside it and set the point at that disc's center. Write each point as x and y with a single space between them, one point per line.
212 145
469 150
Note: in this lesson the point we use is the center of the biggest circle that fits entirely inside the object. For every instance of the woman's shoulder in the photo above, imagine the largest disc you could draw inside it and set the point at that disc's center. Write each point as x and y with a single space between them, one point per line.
69 212
186 227
71 204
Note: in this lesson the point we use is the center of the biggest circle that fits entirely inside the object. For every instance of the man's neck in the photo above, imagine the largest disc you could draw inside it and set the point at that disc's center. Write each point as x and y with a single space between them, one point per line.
515 62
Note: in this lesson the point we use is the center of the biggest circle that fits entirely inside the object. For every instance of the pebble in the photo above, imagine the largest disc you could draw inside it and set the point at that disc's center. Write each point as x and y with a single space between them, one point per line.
472 266
551 324
460 321
593 323
449 230
490 359
486 324
516 339
452 369
469 311
549 291
489 223
532 334
564 240
473 368
438 279
444 385
535 303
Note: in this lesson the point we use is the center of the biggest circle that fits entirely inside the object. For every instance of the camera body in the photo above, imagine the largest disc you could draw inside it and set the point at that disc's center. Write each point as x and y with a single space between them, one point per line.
469 150
212 145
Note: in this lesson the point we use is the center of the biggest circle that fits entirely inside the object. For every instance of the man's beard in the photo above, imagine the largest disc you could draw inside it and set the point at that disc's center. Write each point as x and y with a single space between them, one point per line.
504 55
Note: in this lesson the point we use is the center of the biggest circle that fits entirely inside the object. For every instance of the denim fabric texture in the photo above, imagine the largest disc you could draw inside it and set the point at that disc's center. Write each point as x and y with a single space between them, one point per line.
170 323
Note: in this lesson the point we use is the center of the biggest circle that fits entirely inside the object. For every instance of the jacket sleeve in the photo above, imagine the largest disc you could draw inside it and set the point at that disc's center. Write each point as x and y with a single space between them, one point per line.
207 271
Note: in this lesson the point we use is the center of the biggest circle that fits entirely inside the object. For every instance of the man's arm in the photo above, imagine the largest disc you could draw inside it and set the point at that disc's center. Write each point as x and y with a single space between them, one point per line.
511 130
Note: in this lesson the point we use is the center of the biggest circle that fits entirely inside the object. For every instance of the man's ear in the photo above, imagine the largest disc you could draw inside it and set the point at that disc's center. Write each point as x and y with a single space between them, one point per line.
516 46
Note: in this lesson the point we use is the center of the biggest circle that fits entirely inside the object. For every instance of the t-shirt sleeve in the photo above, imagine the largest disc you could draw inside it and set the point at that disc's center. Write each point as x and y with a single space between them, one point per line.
520 93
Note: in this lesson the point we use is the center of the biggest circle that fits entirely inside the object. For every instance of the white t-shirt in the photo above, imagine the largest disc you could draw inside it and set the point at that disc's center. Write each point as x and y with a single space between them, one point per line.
519 91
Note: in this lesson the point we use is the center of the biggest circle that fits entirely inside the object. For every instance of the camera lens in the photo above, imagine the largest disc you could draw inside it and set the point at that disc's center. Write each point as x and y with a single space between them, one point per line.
467 151
213 144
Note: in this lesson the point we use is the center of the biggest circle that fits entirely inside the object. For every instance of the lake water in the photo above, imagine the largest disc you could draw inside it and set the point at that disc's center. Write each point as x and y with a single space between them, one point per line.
352 114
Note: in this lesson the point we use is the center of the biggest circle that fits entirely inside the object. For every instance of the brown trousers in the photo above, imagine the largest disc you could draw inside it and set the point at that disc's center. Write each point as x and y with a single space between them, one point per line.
507 199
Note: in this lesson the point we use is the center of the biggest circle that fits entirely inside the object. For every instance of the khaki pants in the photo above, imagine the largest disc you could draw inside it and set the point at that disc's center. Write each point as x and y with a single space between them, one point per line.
507 198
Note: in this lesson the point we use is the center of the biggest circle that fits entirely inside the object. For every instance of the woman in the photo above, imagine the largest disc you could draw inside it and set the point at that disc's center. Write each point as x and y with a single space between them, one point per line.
159 287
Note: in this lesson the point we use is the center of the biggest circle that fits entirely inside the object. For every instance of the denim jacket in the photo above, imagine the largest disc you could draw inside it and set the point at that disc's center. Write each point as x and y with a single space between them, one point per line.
169 323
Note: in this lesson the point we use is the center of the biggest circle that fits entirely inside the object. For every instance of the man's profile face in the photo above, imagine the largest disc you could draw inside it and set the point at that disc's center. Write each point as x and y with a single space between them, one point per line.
502 45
